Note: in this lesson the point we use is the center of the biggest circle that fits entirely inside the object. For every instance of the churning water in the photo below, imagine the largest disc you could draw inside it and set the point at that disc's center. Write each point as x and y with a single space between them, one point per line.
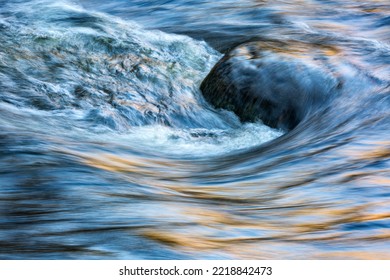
109 151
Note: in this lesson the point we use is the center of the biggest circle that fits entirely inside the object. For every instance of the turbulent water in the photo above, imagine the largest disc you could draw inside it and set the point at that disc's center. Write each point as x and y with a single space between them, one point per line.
108 149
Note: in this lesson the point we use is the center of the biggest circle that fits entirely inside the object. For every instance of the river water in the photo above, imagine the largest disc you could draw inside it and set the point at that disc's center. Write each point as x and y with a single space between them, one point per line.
108 149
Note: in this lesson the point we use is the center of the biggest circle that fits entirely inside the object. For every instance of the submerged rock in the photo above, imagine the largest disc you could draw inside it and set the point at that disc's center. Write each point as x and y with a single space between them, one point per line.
278 83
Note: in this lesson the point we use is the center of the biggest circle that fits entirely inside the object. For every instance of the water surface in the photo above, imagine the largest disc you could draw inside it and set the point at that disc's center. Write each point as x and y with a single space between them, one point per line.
109 151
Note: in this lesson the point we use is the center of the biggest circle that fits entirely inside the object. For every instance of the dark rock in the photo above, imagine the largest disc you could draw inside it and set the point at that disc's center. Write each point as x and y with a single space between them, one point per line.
278 83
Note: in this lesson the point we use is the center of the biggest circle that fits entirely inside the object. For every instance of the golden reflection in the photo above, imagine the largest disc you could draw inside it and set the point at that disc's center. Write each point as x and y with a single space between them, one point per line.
181 239
291 47
117 164
218 219
250 214
372 10
267 231
357 255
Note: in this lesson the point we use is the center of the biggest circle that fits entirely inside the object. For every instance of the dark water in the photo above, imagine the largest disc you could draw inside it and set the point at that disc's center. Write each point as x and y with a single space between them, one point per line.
109 151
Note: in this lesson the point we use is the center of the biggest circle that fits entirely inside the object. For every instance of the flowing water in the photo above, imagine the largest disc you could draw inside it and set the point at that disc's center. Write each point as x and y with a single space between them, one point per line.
108 149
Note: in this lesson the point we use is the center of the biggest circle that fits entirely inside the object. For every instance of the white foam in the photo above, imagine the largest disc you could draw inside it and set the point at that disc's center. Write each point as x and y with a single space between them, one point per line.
197 142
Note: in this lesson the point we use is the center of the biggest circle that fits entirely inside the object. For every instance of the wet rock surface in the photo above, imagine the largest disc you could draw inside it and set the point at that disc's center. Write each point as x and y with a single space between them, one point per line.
277 83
